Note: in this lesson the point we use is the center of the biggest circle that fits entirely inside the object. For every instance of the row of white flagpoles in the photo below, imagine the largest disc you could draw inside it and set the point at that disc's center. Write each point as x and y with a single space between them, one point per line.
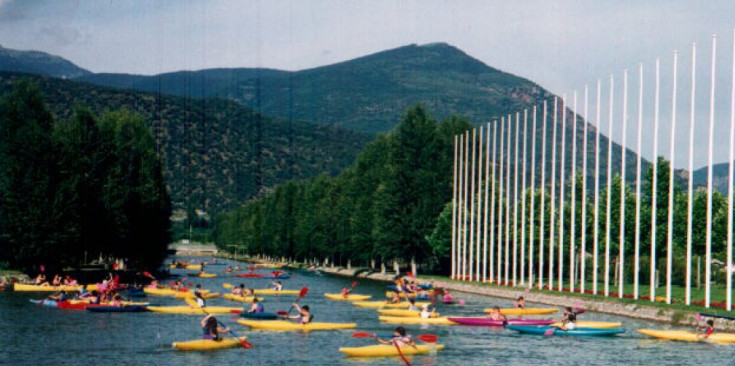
490 244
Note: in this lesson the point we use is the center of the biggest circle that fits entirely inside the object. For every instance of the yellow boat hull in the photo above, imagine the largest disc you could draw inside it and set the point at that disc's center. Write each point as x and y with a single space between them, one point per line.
384 350
385 304
288 326
24 287
191 310
687 336
207 275
350 297
173 293
590 324
208 344
191 266
404 313
241 298
526 311
270 291
406 320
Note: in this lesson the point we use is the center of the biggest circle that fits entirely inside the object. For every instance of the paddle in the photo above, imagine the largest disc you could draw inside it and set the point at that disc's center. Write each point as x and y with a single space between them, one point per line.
302 293
427 338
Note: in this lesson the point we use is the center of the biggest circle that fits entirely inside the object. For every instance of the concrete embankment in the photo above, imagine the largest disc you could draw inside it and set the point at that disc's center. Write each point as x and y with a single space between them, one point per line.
608 306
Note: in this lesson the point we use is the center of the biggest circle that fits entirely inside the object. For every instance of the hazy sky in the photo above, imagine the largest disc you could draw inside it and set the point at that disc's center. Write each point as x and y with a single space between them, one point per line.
562 45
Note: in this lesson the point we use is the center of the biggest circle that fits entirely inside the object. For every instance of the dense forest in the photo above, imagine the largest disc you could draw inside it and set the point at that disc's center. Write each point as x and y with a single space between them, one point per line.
82 187
381 208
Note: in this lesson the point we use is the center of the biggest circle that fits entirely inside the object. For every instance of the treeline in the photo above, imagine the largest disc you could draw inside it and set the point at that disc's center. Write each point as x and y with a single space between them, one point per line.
381 208
80 188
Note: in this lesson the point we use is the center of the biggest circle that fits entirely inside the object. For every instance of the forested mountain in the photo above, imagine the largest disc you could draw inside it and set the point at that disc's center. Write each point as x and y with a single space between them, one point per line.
217 153
37 62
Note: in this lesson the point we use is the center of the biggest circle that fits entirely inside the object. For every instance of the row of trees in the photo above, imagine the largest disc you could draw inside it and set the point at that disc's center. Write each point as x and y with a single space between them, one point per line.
85 187
382 208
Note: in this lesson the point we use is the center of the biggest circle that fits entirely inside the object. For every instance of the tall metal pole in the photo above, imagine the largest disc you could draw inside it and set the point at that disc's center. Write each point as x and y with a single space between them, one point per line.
552 238
583 250
562 185
621 241
454 210
501 201
609 189
466 197
690 187
730 183
473 198
572 220
542 221
654 185
487 191
596 227
515 202
708 249
532 233
523 199
636 263
506 259
492 204
460 207
480 201
670 224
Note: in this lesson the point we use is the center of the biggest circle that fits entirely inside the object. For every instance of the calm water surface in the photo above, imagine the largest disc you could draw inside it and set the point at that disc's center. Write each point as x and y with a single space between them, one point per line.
33 335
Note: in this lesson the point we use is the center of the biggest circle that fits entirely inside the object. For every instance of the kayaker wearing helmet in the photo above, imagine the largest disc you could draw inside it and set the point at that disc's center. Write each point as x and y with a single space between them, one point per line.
210 330
399 339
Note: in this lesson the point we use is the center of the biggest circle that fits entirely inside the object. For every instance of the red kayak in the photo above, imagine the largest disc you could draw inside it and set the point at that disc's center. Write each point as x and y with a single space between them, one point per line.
78 306
250 275
484 321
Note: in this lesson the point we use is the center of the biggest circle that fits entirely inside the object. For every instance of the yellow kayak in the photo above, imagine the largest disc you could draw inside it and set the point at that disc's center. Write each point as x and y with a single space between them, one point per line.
208 344
391 294
207 275
385 350
241 298
270 291
269 265
190 266
406 320
174 293
350 297
287 325
687 336
24 287
123 303
385 304
404 313
525 311
190 310
596 325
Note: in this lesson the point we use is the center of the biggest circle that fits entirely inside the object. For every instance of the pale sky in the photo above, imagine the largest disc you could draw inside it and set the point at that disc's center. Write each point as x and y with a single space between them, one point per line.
561 45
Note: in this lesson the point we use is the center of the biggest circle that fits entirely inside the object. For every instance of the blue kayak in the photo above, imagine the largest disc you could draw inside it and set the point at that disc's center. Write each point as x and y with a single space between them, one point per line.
46 302
584 332
264 316
117 309
424 286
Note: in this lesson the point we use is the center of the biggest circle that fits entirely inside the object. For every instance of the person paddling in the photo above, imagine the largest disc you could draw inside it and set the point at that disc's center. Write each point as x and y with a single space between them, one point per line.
256 307
277 286
708 329
400 339
210 330
448 298
60 296
425 313
496 314
239 291
520 303
568 322
304 314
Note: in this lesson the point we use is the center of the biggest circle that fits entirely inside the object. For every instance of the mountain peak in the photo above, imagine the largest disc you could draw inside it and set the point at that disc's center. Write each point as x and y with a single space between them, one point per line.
37 62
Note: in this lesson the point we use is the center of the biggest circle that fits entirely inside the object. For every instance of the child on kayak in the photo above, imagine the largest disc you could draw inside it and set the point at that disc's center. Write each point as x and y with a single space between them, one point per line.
60 296
41 280
399 339
496 314
412 305
520 303
448 298
277 286
239 290
708 330
425 313
304 316
256 307
200 299
210 329
568 322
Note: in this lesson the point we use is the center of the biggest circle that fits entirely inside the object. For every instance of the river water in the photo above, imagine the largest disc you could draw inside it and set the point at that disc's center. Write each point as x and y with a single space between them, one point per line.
33 335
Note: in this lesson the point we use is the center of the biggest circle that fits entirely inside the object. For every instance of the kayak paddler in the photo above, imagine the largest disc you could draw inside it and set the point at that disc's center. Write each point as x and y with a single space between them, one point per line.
520 303
256 307
708 329
399 339
495 314
568 322
210 330
304 315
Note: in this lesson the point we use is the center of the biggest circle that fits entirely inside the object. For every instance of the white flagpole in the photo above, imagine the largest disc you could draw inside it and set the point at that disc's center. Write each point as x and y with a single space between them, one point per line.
728 272
596 227
466 197
583 252
472 205
460 207
572 221
486 213
621 241
552 238
609 189
479 203
654 188
638 186
542 221
515 203
492 204
560 248
454 211
670 225
523 200
690 187
501 200
506 259
708 250
532 228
